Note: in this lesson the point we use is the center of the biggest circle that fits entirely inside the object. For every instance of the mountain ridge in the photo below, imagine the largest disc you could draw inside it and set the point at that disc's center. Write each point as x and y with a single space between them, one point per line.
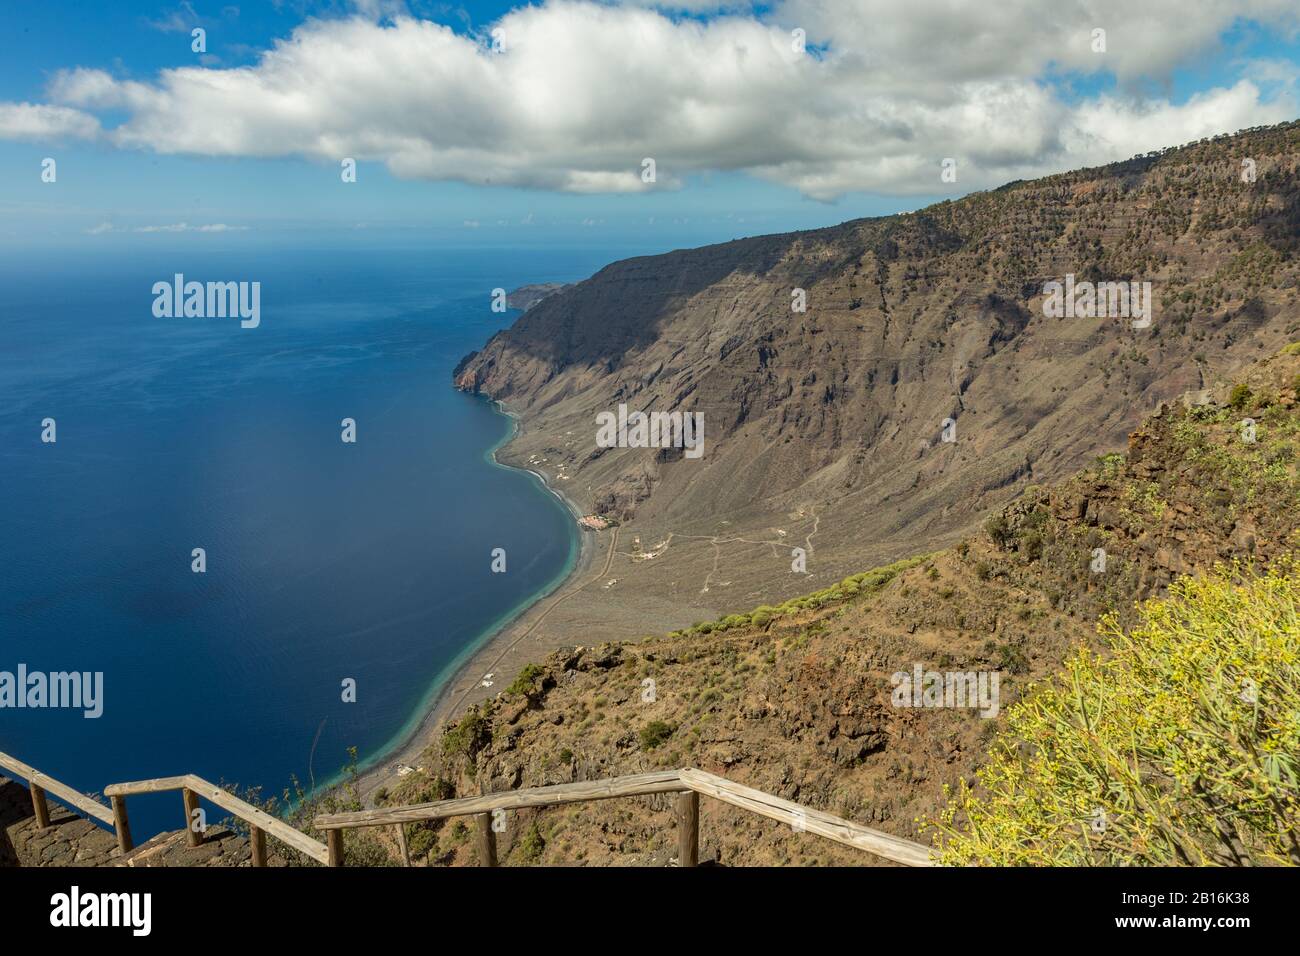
795 699
825 429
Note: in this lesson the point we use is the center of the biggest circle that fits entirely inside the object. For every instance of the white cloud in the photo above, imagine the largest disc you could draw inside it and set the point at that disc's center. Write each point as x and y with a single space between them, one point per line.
186 227
953 41
36 121
583 92
180 20
1105 127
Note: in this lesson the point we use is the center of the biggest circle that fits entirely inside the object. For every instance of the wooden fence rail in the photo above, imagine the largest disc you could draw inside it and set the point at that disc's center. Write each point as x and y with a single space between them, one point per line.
260 823
40 785
688 784
635 785
802 818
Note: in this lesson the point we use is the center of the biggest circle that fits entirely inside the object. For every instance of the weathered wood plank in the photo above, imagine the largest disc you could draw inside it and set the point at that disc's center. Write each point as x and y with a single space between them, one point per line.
688 828
121 826
157 785
334 856
228 802
487 840
39 806
193 837
257 843
402 844
634 785
260 818
74 799
813 821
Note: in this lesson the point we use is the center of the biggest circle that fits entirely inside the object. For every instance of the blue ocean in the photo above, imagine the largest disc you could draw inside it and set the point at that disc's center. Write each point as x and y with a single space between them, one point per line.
326 561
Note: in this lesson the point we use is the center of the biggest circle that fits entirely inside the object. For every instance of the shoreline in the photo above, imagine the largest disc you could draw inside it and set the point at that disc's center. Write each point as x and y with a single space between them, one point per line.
461 685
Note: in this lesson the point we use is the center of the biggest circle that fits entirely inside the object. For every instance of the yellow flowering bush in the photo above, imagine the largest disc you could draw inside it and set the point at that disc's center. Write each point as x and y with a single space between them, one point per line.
1180 747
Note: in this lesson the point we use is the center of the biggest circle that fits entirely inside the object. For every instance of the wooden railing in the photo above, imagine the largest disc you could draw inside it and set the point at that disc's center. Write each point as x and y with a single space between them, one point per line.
40 785
826 825
260 823
687 784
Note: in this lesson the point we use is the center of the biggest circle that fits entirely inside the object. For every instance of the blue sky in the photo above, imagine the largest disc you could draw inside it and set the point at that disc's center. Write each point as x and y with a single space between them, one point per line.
541 140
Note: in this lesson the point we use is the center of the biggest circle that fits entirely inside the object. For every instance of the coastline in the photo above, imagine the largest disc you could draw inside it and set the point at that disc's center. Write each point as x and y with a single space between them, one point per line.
458 685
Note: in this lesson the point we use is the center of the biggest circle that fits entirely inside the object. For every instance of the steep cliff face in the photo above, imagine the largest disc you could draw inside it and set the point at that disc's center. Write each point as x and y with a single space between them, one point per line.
827 427
798 700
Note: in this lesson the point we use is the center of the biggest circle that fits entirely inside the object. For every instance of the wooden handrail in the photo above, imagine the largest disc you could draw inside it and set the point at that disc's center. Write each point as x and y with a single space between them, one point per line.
688 783
635 785
156 785
260 822
814 821
40 784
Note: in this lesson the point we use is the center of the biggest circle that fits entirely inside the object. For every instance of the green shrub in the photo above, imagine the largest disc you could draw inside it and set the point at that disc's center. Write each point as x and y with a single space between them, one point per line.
468 737
1011 658
531 845
440 789
1108 466
655 734
528 682
998 530
865 582
421 840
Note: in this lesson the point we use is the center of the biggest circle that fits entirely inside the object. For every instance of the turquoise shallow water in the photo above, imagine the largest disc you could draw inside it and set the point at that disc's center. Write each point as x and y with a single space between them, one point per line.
326 561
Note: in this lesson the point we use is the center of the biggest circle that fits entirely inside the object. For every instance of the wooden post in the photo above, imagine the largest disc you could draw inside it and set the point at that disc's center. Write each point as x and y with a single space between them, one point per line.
191 801
401 842
487 840
334 843
121 826
39 806
257 843
688 828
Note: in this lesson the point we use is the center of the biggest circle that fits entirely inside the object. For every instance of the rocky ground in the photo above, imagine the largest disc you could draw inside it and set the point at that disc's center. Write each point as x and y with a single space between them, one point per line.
71 840
796 700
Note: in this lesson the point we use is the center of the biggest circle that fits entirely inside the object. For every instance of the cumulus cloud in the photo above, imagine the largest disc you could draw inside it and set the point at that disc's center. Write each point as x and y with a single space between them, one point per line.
37 121
931 43
572 96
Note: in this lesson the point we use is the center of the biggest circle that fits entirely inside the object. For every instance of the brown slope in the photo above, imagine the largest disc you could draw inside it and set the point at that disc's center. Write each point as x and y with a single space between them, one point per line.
798 702
822 429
